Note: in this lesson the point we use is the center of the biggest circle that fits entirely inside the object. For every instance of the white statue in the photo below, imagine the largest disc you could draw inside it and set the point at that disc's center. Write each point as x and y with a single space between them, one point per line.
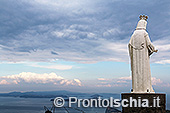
140 49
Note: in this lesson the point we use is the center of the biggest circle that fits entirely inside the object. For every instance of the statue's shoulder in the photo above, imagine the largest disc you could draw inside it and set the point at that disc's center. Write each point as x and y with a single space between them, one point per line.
146 33
140 32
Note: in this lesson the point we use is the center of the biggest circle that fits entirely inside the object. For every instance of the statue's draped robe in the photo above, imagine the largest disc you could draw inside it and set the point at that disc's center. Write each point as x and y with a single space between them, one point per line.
140 48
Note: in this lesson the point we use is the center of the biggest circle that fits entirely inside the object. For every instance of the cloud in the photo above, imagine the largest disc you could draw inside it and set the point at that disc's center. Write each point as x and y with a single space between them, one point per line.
124 82
79 35
163 62
49 65
166 85
81 31
112 32
58 67
108 85
28 77
121 81
126 78
2 82
114 82
163 55
103 79
156 81
78 81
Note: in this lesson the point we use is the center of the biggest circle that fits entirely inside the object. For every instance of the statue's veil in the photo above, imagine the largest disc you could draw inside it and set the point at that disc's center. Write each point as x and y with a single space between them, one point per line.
141 24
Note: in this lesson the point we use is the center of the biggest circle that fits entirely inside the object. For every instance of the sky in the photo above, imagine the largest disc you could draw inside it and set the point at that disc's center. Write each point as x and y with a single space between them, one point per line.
79 45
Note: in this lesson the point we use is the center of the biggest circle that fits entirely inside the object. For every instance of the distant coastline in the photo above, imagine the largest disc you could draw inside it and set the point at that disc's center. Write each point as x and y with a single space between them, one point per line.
52 94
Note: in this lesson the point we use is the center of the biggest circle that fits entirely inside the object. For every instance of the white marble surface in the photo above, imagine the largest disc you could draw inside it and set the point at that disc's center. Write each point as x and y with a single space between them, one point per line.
140 49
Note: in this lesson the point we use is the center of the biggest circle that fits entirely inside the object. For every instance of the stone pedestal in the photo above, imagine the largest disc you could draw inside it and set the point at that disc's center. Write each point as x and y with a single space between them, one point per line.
151 97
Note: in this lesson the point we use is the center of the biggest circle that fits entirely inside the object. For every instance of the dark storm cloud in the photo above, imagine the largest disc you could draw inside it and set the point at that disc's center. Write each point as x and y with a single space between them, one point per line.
77 30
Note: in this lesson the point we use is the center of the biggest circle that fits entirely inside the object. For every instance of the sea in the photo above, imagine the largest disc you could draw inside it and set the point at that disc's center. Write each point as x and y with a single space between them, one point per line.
36 105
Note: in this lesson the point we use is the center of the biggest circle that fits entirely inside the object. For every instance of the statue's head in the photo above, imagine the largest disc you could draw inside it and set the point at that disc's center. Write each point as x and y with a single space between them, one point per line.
142 22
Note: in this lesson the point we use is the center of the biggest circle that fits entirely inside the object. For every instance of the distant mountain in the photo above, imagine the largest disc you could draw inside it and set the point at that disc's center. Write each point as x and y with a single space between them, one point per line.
41 94
53 94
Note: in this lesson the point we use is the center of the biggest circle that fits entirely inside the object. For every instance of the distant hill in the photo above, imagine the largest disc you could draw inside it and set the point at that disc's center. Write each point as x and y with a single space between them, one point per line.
40 94
52 94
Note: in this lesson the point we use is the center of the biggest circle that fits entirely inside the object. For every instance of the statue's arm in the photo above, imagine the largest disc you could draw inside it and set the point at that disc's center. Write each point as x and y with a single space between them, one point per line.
130 54
150 46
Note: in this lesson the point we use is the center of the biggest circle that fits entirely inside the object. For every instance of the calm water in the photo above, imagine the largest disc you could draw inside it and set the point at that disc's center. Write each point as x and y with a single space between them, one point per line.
22 105
36 105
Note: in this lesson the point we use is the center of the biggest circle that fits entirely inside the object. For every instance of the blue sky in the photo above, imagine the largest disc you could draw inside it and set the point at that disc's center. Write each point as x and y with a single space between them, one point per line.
78 45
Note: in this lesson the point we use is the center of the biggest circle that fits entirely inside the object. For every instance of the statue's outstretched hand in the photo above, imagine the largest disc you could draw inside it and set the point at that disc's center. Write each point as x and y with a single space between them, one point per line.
156 51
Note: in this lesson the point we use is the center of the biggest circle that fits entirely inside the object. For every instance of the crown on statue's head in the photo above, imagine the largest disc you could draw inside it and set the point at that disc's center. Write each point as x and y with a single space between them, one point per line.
143 17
